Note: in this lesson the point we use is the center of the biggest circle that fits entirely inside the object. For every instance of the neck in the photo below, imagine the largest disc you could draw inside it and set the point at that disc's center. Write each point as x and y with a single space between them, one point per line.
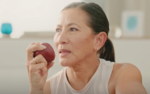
80 74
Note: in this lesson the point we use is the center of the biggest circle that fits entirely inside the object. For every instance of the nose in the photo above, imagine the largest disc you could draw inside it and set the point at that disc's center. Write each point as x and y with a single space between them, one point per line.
63 38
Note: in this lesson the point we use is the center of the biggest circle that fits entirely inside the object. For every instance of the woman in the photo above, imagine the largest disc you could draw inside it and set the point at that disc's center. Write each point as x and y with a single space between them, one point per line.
80 39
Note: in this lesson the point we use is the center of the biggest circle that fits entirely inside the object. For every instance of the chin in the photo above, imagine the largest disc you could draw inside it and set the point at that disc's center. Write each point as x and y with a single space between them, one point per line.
65 62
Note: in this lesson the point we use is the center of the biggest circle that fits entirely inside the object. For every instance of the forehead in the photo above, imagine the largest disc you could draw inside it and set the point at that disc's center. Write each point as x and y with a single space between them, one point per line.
74 15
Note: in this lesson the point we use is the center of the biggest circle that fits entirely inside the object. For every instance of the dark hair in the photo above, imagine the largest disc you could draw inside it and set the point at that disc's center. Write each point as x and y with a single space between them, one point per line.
99 23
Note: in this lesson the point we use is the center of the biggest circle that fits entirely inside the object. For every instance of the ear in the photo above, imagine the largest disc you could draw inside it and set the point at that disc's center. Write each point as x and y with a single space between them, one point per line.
100 40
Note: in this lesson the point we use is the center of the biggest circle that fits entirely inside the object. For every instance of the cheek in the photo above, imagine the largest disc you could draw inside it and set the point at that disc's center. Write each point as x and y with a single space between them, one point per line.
82 45
84 41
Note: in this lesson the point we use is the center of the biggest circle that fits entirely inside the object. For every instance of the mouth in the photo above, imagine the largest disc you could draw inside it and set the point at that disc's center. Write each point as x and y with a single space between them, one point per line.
64 52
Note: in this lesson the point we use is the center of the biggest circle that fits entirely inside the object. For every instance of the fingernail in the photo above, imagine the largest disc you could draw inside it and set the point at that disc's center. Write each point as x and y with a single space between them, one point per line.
42 46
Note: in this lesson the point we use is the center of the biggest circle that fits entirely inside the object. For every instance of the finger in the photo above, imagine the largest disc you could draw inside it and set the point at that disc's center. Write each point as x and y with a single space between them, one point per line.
42 67
44 70
38 59
38 69
30 67
27 66
32 62
28 51
30 54
32 48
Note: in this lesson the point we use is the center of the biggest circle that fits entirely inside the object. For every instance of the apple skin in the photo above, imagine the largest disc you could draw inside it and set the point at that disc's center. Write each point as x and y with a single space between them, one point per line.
48 53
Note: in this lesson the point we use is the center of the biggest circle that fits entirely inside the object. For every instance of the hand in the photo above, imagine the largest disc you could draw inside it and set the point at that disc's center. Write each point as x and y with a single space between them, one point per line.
37 67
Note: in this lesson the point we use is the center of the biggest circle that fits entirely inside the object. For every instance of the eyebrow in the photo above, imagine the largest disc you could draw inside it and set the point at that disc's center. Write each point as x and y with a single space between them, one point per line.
69 25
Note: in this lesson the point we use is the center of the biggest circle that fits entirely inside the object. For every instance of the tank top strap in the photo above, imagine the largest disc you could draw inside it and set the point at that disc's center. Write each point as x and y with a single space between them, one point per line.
105 74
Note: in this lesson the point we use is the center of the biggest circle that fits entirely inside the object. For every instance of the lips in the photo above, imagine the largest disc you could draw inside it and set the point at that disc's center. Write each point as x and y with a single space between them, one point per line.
64 52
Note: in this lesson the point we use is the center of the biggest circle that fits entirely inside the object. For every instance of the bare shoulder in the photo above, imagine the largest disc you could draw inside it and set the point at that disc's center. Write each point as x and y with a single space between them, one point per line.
128 79
127 70
123 71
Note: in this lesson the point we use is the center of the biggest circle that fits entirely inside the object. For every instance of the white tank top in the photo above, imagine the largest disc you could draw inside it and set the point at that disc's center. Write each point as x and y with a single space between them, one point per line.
98 84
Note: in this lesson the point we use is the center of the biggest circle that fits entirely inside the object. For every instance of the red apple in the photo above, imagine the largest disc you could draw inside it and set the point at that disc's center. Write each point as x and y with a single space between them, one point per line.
48 53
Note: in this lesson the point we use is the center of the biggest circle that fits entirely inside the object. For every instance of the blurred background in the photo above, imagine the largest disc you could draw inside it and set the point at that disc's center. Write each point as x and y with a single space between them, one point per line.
25 21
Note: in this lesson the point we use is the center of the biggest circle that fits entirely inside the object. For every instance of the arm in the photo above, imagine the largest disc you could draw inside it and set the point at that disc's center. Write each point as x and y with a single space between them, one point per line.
45 91
47 87
129 80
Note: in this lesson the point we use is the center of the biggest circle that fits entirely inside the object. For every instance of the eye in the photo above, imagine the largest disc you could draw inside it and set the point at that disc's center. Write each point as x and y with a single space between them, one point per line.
73 29
58 30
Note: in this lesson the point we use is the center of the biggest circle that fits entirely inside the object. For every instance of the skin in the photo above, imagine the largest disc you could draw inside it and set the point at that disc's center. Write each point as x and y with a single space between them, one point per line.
80 37
74 35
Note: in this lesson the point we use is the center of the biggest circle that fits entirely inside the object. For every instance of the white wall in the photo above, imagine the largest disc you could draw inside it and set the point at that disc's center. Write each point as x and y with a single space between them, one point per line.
31 15
41 15
13 74
115 8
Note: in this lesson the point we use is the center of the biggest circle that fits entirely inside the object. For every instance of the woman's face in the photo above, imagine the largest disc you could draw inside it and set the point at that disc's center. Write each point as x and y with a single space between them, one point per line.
74 39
